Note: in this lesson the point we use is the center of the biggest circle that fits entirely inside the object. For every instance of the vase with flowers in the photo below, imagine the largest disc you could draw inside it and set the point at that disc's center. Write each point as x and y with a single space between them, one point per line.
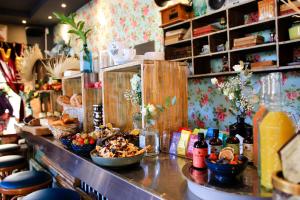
238 89
134 95
150 135
28 95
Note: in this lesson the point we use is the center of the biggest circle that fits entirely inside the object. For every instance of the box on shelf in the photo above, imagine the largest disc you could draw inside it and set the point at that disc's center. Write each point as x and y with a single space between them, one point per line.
285 9
204 30
266 9
263 64
174 14
174 36
247 41
178 52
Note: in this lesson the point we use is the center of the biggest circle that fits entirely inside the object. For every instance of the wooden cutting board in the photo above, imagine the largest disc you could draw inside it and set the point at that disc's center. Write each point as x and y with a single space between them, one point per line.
36 130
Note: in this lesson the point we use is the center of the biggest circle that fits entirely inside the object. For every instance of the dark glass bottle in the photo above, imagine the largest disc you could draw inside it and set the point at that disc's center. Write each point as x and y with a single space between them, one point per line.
233 142
200 151
240 126
248 145
215 144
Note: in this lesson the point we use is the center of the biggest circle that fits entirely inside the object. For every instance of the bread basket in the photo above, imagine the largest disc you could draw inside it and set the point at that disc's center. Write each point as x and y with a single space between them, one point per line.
59 131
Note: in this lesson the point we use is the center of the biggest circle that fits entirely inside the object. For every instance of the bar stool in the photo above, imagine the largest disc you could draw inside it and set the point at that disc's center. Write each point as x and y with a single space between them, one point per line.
52 194
23 183
10 163
8 149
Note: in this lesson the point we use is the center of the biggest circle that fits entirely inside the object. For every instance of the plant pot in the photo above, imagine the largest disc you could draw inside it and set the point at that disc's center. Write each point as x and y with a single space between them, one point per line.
86 61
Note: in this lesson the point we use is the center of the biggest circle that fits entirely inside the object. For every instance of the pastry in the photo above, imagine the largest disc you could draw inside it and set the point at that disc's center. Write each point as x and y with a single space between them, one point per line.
76 100
34 122
63 100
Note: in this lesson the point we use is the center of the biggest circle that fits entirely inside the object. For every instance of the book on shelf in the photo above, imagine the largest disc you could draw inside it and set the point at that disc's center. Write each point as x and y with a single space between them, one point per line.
248 41
180 31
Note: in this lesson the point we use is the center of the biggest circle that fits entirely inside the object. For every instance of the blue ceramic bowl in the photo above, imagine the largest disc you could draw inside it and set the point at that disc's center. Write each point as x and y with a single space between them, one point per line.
226 172
84 149
66 141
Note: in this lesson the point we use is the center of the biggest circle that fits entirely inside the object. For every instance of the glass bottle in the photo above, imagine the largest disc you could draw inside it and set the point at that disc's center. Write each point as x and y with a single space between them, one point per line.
275 130
86 61
248 145
259 115
240 126
215 144
233 142
200 150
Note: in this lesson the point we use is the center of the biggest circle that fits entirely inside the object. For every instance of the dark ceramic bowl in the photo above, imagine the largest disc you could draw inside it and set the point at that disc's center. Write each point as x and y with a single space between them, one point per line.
83 150
226 173
66 141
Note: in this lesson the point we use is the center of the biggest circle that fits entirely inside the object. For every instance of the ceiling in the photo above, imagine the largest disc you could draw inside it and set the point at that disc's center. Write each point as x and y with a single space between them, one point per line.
35 12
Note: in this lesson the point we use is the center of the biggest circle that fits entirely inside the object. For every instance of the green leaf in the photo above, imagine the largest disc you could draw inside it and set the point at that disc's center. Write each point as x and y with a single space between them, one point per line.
168 102
160 108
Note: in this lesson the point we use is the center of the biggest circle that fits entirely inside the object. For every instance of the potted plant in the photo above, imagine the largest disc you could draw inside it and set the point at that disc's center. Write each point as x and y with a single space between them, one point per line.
77 28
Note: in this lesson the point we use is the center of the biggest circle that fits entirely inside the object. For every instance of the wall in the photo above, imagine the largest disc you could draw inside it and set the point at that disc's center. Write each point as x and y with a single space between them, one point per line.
137 21
16 33
131 21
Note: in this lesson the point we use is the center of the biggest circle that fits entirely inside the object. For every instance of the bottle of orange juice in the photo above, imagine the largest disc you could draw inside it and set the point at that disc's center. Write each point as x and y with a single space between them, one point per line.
275 130
259 115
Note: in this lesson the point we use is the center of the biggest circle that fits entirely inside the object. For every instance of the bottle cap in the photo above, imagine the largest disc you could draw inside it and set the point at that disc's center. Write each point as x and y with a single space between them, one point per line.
200 136
215 133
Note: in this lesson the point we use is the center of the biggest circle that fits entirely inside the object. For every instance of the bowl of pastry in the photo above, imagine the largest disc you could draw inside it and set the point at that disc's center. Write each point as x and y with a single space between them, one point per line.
117 151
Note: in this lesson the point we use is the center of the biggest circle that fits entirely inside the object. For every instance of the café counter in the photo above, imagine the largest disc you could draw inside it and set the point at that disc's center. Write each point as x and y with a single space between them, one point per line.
161 177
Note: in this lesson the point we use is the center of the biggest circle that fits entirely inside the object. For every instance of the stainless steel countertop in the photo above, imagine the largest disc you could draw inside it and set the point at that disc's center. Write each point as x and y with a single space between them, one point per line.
157 177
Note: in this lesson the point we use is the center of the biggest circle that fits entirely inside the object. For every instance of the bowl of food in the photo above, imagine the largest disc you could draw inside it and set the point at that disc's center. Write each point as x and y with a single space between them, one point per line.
117 152
67 141
83 144
226 166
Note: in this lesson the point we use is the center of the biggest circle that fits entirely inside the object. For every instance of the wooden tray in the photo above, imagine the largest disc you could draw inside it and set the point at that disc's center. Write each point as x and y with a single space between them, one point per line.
36 130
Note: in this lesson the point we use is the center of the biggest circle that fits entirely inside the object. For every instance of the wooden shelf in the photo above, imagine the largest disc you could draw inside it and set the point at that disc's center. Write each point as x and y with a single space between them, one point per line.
253 24
72 76
182 59
177 24
289 42
212 74
211 54
210 34
287 15
254 47
179 42
130 66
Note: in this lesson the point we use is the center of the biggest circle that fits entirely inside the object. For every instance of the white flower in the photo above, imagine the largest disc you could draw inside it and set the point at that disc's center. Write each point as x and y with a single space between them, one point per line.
231 96
151 108
238 68
214 81
226 91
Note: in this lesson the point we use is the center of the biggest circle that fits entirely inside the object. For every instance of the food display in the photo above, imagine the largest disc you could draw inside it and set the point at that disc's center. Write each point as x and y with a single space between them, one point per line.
75 100
31 121
83 143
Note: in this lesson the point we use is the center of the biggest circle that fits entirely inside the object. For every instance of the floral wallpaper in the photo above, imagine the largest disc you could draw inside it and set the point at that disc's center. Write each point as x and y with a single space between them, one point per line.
137 22
209 108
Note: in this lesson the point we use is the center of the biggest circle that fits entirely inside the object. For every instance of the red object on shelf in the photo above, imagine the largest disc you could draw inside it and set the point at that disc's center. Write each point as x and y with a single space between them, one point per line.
204 30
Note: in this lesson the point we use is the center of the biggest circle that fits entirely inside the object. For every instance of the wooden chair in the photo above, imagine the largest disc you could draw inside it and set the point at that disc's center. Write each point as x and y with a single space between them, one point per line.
23 183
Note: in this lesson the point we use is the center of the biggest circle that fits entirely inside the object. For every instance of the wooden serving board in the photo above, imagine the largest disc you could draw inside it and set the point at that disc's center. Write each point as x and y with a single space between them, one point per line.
36 130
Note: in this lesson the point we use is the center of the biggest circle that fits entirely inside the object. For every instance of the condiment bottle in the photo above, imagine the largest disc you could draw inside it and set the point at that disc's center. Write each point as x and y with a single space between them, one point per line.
200 150
259 115
248 145
233 142
215 144
275 130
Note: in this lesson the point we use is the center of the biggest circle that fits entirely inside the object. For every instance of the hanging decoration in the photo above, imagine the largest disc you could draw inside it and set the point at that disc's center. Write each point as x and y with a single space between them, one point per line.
5 55
31 55
61 64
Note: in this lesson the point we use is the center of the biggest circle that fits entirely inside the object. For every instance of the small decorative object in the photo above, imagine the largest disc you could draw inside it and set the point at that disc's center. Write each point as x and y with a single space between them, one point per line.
30 56
290 156
183 142
28 96
149 135
221 47
205 49
134 95
294 31
86 63
174 142
199 7
120 53
61 64
97 116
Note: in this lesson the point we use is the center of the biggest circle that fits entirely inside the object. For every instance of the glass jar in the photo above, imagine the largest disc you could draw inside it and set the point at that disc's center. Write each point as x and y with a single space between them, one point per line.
86 61
150 136
275 129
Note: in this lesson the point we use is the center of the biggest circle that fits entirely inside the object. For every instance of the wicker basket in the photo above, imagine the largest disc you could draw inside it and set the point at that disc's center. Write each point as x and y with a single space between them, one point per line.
61 131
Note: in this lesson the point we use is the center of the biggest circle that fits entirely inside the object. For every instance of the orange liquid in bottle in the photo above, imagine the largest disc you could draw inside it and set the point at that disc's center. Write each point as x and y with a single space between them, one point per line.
275 130
256 119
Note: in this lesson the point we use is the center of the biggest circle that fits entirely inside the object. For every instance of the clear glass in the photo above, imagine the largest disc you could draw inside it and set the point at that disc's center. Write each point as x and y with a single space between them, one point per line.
150 137
86 62
275 129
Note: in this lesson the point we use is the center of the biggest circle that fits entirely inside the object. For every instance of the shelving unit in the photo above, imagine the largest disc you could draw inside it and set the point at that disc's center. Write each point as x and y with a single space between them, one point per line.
159 80
282 47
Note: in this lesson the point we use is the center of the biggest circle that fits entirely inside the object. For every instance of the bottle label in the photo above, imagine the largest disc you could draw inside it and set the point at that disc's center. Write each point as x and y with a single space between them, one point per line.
248 151
199 157
236 148
214 149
